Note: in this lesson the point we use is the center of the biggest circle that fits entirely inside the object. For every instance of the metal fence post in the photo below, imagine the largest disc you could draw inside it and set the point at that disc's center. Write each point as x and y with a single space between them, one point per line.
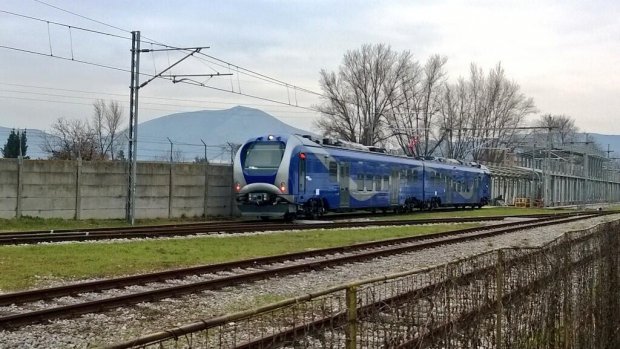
611 292
351 327
568 298
499 294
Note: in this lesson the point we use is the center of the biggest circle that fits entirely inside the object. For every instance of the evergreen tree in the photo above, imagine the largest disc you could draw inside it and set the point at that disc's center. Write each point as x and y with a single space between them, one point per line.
24 144
15 145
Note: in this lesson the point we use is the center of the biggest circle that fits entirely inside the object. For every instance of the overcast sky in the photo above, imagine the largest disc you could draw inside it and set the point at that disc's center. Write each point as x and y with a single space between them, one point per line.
564 54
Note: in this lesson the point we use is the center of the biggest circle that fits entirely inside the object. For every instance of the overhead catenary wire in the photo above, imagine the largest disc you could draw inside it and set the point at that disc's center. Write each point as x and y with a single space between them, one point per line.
219 62
78 15
186 81
122 102
222 63
68 59
270 105
64 25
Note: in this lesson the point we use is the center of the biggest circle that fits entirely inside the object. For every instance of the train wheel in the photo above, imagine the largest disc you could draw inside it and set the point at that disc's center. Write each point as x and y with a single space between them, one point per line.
289 217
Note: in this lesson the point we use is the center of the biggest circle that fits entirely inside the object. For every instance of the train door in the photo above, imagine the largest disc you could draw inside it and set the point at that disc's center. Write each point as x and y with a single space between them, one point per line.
302 176
343 180
448 183
394 186
475 180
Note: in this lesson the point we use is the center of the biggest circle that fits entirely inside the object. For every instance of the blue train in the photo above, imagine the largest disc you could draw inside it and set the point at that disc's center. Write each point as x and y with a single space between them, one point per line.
288 176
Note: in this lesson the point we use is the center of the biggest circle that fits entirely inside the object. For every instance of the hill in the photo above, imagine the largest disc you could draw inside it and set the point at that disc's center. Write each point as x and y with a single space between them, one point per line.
604 140
216 128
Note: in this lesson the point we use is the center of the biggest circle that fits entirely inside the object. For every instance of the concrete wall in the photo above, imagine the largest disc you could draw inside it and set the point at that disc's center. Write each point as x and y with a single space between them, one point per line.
80 189
8 187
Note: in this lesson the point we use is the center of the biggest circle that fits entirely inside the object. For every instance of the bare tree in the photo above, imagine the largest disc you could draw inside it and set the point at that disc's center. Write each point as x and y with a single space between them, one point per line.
562 128
71 139
106 121
482 115
457 116
360 96
416 108
94 140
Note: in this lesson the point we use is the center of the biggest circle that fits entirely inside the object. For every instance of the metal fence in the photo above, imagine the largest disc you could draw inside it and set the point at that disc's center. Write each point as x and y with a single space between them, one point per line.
563 295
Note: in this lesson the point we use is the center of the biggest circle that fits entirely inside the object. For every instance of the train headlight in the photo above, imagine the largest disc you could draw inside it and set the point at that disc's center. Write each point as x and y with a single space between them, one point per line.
270 137
283 187
237 187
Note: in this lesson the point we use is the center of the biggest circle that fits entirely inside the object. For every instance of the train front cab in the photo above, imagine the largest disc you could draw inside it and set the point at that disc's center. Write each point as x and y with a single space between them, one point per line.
261 177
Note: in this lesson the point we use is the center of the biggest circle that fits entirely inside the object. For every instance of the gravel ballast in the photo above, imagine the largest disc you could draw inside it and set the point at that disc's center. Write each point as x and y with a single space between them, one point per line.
130 322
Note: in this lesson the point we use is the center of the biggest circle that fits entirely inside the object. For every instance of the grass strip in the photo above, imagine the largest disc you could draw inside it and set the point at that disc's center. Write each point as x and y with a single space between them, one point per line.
28 266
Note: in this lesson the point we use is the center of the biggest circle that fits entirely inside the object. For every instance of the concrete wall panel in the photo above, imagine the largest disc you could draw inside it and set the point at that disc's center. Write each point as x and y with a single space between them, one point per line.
71 189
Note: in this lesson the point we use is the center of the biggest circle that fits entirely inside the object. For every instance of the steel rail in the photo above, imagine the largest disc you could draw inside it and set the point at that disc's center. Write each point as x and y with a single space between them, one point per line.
114 302
339 318
273 340
211 228
105 284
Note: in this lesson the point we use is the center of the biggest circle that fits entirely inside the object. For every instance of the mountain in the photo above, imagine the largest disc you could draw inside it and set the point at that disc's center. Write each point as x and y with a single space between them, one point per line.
604 140
35 141
215 127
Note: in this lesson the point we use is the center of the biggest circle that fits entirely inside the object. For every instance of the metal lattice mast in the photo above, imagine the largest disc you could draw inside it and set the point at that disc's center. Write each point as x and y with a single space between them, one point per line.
135 87
133 125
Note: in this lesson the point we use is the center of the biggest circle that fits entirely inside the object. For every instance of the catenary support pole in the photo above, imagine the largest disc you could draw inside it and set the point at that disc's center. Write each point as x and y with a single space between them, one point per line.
133 125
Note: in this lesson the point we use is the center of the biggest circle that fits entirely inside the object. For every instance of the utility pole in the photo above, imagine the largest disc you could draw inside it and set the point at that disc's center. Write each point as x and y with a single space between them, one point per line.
135 86
133 125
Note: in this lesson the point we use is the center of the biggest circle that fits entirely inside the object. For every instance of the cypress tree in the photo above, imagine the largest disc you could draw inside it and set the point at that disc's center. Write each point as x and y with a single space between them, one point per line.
13 143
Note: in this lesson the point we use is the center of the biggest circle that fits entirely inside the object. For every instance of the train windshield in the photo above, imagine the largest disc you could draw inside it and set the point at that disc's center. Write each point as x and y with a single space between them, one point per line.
264 156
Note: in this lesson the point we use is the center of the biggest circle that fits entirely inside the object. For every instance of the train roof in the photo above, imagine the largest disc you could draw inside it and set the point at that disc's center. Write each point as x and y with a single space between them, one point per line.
435 162
345 147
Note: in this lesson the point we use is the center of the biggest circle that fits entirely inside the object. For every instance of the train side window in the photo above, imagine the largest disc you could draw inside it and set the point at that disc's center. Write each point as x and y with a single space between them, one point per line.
411 177
386 183
377 183
368 182
415 175
360 182
333 171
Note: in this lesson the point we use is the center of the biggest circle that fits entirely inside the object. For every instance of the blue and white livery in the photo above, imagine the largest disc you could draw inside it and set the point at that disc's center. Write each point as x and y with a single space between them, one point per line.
287 176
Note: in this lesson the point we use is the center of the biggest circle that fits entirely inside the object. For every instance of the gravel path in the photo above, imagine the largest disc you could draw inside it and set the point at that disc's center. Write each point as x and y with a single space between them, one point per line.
126 323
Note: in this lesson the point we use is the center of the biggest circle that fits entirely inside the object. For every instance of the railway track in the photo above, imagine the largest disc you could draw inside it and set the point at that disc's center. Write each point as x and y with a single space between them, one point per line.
36 306
34 237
